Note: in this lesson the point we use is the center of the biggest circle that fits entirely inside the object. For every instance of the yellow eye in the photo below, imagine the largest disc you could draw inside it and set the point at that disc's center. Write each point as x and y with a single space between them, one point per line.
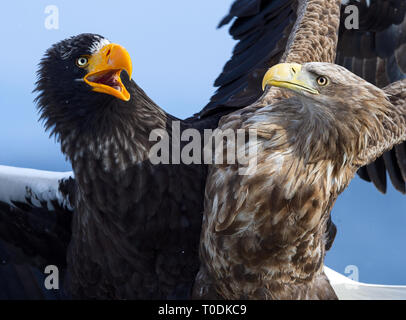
82 62
322 81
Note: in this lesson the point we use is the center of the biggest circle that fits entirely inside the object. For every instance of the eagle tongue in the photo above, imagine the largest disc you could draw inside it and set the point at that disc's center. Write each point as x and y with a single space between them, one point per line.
109 79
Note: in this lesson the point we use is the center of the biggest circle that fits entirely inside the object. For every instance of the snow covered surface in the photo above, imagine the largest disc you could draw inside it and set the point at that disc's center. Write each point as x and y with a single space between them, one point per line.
18 184
347 289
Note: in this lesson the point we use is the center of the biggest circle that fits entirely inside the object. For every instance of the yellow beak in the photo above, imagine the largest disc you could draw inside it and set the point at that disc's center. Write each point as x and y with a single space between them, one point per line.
104 71
290 76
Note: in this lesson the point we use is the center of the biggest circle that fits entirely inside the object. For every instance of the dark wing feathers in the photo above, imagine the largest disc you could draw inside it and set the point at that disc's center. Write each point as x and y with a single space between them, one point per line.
394 171
378 51
262 29
377 174
30 240
364 174
31 235
20 280
393 70
331 232
395 159
43 235
241 8
400 151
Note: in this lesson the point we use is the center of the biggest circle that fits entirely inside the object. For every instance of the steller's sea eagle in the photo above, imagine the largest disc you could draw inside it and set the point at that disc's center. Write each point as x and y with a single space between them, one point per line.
167 200
263 233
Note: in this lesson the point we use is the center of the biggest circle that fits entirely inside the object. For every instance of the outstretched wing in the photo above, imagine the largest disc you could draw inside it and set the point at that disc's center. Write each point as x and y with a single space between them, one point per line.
397 156
35 220
377 52
262 29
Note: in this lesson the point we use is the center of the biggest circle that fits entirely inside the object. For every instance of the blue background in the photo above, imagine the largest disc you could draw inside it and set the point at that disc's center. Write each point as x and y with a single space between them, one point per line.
177 53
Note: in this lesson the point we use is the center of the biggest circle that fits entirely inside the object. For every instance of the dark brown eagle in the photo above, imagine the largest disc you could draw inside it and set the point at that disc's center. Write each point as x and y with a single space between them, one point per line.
136 225
264 231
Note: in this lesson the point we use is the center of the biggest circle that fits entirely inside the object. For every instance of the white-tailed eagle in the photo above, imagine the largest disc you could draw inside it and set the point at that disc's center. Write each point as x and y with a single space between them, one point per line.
264 232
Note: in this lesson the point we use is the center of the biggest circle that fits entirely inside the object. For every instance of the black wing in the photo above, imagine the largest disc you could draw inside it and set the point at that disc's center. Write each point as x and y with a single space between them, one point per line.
35 221
262 29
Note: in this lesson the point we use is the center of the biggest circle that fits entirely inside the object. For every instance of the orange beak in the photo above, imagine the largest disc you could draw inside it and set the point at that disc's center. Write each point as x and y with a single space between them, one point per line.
104 71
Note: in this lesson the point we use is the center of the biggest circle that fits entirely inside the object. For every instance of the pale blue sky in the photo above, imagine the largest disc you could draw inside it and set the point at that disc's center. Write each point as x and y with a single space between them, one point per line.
177 53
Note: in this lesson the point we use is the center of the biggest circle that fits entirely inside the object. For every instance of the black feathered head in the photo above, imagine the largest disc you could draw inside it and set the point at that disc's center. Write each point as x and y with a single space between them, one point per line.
78 78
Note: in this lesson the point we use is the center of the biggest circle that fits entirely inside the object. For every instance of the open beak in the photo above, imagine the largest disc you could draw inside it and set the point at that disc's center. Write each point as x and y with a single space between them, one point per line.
104 71
290 76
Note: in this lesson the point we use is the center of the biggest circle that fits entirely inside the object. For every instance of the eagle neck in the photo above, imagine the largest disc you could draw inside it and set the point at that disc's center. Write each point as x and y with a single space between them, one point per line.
315 133
115 136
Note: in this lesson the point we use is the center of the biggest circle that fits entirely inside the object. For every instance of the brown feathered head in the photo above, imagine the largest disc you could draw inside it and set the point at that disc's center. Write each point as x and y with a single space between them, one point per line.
326 84
355 112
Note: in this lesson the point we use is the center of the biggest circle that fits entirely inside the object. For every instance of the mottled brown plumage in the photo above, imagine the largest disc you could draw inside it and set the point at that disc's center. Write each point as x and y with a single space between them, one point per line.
263 233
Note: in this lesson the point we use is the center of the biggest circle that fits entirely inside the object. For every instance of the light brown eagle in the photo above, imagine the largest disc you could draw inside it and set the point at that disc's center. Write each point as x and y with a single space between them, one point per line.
263 234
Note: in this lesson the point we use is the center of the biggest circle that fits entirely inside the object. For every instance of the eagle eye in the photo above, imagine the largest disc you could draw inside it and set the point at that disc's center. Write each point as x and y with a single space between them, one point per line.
322 81
82 62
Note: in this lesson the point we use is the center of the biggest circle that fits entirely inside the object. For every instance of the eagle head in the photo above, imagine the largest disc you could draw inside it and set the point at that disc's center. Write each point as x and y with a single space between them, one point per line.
342 112
328 86
80 76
